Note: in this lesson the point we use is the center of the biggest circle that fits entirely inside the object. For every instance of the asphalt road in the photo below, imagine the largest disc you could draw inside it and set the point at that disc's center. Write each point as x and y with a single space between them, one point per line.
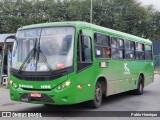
149 101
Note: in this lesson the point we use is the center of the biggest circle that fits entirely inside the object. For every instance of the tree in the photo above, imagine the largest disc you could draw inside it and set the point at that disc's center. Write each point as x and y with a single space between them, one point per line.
124 15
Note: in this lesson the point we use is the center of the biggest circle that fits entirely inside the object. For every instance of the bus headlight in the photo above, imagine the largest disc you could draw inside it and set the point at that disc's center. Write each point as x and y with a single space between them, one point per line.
11 82
64 85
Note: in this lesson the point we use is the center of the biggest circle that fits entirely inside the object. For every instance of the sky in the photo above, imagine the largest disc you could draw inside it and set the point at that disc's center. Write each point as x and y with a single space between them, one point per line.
155 3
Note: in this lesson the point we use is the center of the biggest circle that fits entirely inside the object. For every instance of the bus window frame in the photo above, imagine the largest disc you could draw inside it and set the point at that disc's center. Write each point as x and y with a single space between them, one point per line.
123 49
134 51
149 52
143 50
102 46
79 44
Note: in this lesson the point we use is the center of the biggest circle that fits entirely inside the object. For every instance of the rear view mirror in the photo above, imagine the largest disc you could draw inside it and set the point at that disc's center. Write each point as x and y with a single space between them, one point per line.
5 46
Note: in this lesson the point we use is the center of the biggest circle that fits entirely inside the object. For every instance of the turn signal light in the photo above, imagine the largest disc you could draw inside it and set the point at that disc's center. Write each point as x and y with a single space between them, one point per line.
79 86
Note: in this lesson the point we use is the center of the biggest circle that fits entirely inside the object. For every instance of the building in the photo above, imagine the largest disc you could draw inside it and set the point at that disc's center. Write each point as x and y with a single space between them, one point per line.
9 50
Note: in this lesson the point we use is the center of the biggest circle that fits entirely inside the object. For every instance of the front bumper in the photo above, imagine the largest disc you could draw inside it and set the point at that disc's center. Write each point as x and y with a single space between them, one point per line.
47 97
70 95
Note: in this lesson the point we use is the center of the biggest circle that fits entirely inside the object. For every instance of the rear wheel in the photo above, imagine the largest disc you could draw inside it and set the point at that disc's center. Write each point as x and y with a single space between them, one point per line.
96 102
139 90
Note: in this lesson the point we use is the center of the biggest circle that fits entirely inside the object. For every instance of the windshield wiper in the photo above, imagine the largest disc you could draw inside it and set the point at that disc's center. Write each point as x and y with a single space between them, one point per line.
45 61
44 58
35 52
31 54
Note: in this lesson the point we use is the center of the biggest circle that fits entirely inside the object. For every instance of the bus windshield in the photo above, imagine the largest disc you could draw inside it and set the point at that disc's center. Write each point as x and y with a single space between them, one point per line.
43 49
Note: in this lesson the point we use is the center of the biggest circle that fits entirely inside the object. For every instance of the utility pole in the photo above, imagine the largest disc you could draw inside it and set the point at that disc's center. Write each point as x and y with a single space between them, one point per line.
91 13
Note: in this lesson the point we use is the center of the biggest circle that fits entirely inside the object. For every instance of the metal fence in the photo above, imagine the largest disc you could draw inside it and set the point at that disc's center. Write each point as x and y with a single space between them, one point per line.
157 63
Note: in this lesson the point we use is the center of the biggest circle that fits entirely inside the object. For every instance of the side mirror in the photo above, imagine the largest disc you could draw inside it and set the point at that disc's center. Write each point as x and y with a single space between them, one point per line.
9 37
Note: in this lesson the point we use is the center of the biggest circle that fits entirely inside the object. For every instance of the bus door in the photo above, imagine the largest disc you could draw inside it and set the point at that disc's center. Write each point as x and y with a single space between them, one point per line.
85 72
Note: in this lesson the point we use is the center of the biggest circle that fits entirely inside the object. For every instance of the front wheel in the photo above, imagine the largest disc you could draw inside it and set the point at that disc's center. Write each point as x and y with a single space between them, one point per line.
96 102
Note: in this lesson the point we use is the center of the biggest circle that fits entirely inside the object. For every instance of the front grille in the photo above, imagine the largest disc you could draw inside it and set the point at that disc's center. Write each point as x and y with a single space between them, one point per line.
33 89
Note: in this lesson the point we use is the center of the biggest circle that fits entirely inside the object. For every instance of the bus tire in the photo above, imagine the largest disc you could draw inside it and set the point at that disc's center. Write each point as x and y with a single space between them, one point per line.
96 102
139 90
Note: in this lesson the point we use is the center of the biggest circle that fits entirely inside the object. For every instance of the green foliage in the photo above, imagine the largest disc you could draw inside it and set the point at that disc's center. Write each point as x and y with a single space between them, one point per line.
123 15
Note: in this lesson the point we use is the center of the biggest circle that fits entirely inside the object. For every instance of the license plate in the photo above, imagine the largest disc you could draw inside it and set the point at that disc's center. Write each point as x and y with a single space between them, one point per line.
36 95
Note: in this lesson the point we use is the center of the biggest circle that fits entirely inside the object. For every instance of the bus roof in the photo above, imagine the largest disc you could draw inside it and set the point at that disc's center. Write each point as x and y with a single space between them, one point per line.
99 29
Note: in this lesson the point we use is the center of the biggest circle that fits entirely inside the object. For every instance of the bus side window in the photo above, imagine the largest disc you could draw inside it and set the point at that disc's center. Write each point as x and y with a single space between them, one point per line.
148 52
129 50
84 53
140 51
102 46
86 49
117 45
78 51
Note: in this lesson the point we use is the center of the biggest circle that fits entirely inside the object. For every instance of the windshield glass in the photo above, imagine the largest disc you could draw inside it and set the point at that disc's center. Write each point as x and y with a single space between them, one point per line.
43 49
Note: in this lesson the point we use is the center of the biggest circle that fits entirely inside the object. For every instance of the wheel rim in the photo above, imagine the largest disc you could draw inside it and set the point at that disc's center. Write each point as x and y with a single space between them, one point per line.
98 94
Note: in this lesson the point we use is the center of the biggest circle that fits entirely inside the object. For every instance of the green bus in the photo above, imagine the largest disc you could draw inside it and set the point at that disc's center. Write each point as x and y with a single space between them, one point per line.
73 62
